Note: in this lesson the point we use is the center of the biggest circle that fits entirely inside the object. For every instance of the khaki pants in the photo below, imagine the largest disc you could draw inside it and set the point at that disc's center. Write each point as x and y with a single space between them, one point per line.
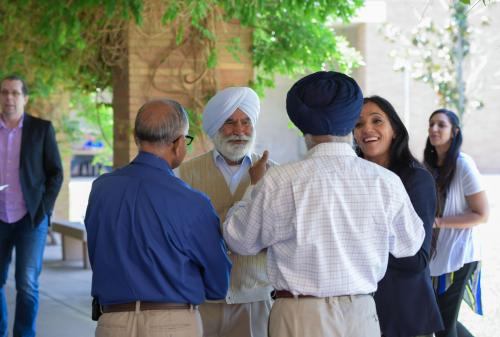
150 323
235 320
341 316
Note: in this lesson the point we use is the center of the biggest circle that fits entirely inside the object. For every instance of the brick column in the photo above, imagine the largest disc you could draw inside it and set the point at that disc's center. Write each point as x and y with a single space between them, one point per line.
157 67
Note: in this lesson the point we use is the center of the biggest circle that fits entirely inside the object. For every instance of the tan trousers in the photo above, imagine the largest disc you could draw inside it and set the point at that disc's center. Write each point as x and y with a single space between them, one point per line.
235 320
150 323
342 316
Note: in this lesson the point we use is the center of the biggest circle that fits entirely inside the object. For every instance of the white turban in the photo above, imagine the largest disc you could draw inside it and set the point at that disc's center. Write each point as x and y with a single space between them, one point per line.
220 107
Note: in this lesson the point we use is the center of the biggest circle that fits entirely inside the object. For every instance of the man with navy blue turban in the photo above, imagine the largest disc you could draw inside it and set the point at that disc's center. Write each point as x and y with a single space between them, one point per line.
328 222
229 119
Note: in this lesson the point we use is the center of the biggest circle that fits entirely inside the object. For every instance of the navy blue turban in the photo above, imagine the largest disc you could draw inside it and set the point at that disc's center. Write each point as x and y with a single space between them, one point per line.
325 103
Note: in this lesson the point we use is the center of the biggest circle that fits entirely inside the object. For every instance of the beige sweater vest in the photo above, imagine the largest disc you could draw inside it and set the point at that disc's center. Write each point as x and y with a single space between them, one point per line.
249 282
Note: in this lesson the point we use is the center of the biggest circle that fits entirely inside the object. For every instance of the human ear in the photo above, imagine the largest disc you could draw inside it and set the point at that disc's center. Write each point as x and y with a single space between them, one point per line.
176 147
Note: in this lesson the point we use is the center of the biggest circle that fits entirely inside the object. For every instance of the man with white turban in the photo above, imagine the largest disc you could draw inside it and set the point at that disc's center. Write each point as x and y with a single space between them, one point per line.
223 174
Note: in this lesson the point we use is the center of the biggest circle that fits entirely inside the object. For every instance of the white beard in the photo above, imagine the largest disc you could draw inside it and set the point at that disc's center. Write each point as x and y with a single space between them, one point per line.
233 152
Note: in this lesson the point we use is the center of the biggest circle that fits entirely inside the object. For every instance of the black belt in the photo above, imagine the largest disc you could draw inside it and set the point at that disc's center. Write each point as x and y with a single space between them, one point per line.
145 306
286 294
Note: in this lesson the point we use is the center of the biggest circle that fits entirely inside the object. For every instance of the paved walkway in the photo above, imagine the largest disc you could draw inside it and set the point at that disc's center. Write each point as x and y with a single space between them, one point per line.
65 287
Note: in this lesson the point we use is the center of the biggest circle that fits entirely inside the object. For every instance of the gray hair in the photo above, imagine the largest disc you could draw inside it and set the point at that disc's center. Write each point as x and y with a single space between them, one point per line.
161 127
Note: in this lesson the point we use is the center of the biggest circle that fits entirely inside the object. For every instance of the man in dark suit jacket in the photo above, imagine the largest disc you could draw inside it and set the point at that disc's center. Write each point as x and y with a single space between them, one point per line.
30 178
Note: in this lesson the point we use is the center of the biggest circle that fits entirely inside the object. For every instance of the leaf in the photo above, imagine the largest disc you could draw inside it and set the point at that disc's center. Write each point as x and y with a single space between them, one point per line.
179 37
203 30
212 59
110 7
234 48
171 13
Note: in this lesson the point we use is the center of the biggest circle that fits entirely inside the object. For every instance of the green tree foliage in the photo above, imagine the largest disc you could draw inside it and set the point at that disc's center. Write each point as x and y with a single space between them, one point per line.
289 37
293 37
61 43
71 45
57 44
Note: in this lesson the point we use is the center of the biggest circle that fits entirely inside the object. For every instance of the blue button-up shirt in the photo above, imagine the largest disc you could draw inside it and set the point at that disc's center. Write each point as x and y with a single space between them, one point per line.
153 238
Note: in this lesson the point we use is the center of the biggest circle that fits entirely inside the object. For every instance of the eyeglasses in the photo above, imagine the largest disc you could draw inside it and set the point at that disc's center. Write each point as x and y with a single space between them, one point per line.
6 93
189 139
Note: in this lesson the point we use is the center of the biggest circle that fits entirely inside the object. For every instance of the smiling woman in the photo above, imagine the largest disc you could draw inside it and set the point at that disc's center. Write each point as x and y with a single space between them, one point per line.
374 134
382 138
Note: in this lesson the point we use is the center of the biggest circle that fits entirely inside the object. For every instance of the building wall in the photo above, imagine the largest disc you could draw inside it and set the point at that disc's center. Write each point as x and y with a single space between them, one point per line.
274 131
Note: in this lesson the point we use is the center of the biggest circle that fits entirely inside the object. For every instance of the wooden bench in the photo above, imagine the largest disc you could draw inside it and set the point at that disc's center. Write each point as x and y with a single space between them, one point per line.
73 234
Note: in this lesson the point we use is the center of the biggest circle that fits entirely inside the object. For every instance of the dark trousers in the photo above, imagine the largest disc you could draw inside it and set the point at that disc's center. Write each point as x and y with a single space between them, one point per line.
449 303
29 243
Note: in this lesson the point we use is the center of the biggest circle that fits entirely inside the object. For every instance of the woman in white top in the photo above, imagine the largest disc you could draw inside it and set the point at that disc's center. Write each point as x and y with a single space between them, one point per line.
462 205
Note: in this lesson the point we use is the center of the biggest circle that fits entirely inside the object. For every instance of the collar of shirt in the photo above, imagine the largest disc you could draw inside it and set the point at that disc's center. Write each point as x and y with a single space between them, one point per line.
232 177
331 149
19 125
146 158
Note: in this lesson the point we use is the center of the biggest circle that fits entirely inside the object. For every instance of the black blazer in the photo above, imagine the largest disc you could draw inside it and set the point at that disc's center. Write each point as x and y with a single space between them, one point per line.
41 171
405 299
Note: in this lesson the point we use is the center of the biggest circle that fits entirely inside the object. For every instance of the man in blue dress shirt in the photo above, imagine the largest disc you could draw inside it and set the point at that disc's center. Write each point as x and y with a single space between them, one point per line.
154 243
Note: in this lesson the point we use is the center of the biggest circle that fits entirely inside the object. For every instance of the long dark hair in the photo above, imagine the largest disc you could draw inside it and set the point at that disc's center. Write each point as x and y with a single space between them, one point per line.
399 153
444 173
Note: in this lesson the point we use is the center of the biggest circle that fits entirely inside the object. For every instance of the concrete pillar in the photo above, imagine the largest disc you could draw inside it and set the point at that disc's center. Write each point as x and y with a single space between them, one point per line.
156 66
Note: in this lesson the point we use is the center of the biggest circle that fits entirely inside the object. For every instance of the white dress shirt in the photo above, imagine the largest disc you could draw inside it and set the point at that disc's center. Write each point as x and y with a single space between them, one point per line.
328 222
232 173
